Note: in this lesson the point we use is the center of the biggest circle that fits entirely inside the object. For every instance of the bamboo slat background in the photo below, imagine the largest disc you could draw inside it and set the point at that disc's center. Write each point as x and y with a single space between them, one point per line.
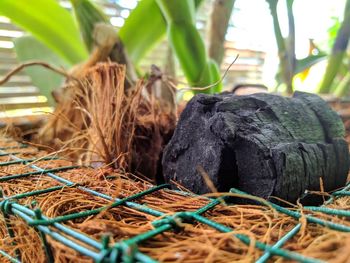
19 92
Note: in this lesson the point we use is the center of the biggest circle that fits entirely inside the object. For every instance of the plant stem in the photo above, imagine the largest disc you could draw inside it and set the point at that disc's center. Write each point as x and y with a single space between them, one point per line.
219 20
290 47
343 88
338 52
188 45
286 47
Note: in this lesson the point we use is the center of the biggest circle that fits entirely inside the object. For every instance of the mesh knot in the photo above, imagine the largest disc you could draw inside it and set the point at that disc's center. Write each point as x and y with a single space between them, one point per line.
5 206
176 220
105 250
122 252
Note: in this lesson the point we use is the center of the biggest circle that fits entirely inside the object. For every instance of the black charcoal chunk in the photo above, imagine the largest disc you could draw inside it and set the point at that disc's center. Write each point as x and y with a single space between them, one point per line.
264 144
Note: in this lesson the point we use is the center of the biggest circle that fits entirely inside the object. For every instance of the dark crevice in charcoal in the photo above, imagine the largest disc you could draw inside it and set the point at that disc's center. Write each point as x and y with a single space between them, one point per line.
264 144
326 180
229 171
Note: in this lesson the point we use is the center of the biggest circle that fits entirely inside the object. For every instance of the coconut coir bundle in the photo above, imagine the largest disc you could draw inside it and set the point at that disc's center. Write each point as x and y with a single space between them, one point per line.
194 242
100 122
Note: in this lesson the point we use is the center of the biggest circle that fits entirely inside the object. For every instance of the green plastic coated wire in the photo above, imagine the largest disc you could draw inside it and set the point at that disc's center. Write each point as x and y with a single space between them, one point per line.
280 243
87 213
16 176
297 215
127 250
27 161
9 257
329 211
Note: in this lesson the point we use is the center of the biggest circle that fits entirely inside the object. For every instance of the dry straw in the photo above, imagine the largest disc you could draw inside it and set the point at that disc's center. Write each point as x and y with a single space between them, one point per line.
194 243
119 130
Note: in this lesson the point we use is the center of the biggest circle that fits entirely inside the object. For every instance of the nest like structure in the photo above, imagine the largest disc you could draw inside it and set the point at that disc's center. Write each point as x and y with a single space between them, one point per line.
192 241
101 120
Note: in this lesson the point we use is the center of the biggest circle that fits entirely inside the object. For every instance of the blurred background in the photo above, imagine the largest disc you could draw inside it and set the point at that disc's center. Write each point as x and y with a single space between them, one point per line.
250 33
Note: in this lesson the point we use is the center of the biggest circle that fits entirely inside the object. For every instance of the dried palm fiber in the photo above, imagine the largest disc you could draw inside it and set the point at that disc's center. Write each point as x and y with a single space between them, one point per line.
102 117
193 243
102 122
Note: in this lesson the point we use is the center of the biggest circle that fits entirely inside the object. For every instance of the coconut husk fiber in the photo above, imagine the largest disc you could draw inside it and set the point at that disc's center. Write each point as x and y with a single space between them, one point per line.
98 121
89 128
193 243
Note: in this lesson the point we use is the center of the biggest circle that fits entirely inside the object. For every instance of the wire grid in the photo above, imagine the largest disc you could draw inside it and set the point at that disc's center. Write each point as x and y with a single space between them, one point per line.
127 250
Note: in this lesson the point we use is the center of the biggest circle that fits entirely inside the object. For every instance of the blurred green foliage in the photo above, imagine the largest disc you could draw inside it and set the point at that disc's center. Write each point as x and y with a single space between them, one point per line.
56 28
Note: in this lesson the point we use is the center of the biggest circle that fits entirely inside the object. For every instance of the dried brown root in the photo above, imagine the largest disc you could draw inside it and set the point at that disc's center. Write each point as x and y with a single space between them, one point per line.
102 123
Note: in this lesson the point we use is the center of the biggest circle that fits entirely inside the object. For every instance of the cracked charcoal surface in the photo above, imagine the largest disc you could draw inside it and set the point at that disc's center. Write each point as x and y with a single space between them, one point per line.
264 144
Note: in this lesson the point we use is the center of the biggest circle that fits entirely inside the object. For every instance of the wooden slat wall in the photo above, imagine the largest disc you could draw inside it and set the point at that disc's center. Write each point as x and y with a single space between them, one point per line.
20 93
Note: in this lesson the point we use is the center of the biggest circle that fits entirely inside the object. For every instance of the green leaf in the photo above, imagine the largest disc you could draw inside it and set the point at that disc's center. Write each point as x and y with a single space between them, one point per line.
214 76
187 43
144 27
48 22
29 49
305 63
88 15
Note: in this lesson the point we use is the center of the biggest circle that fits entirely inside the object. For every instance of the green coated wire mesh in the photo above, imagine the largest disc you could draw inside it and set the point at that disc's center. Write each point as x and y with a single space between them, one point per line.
160 217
